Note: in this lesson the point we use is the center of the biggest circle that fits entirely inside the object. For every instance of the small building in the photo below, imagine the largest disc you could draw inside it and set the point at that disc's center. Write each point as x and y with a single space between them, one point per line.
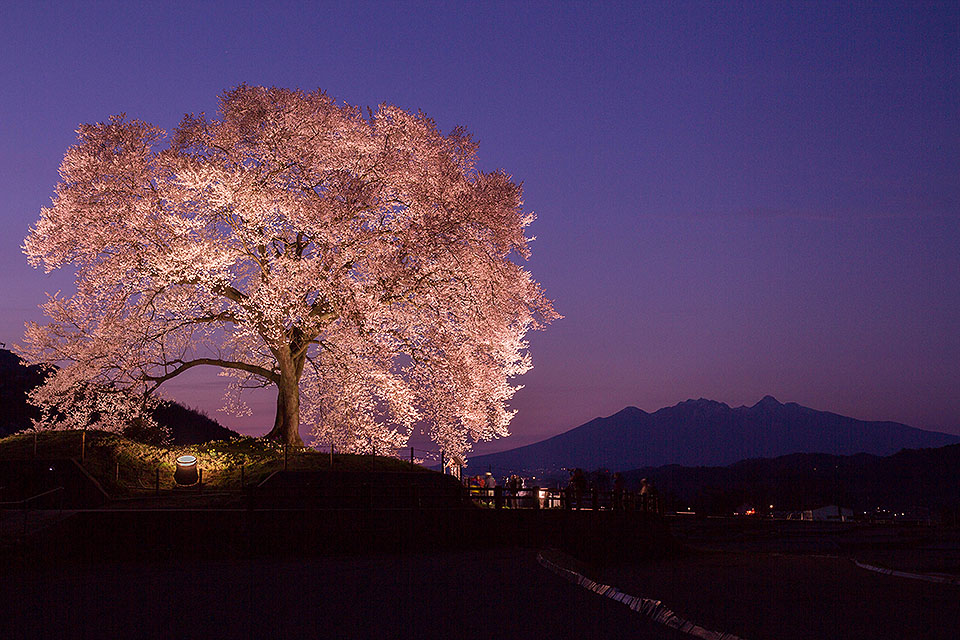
454 467
829 513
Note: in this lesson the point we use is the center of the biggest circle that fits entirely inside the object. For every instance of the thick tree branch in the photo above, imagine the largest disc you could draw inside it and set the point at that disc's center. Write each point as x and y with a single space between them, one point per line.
216 362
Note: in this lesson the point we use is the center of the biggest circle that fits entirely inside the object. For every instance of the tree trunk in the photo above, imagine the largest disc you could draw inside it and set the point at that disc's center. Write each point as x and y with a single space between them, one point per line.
286 425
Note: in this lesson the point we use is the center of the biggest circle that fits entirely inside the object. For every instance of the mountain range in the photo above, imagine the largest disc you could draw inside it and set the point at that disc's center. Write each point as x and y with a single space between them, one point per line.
706 432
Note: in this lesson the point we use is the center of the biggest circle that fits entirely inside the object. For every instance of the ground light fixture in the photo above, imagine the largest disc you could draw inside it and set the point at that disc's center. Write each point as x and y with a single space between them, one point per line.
186 472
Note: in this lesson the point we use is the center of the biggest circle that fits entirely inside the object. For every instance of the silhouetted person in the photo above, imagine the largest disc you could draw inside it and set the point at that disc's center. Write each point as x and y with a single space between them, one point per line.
513 487
489 483
601 480
618 487
648 495
578 486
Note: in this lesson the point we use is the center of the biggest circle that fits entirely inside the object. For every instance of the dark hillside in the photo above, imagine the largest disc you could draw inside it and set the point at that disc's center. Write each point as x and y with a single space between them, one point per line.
187 426
16 380
911 479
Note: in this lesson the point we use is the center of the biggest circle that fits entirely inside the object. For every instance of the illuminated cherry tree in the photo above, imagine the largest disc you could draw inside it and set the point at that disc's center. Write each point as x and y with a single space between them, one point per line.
362 264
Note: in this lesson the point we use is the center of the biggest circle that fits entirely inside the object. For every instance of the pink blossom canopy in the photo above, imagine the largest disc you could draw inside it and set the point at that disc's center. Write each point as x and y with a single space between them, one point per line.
363 265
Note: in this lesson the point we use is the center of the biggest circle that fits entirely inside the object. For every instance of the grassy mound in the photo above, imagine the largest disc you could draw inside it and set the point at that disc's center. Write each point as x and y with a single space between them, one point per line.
124 467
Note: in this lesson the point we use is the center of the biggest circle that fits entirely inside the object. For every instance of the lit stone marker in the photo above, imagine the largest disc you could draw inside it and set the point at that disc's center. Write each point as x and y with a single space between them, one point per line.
186 470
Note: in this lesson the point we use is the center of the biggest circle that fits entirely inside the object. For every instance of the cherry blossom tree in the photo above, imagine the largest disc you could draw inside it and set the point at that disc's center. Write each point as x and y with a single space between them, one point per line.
362 264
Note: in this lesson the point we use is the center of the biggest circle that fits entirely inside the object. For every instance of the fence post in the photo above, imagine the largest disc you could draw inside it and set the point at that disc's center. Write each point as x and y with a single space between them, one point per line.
595 498
34 444
498 497
366 496
331 454
199 480
83 446
158 480
411 455
116 477
242 478
442 469
415 501
284 457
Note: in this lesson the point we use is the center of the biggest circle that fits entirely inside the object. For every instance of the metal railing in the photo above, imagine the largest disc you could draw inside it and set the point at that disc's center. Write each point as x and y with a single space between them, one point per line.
570 499
24 505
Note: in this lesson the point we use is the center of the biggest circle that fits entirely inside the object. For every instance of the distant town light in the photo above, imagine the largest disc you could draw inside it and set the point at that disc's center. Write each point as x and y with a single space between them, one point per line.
186 472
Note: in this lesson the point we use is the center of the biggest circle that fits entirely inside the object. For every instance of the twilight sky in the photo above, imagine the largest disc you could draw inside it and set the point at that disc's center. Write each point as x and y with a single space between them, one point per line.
733 199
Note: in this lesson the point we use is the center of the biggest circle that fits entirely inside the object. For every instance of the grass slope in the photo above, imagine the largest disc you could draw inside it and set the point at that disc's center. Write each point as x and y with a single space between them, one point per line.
127 468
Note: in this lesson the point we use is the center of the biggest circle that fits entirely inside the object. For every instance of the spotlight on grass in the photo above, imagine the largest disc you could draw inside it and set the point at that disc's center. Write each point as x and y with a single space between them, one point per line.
186 470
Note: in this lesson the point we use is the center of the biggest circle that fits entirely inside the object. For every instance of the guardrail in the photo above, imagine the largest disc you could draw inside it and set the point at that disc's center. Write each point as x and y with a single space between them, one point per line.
23 505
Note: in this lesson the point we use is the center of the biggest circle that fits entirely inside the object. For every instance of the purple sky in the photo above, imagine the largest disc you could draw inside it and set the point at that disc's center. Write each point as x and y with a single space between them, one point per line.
733 200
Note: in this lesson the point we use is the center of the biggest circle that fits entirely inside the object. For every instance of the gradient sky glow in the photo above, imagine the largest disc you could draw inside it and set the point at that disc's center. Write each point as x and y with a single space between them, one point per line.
734 199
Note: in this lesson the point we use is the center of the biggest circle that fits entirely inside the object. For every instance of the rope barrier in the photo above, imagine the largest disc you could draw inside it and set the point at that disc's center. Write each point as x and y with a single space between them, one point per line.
926 577
653 609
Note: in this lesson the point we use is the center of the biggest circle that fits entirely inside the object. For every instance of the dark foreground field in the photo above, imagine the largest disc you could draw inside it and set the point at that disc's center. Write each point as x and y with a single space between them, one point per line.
499 592
495 593
793 597
285 560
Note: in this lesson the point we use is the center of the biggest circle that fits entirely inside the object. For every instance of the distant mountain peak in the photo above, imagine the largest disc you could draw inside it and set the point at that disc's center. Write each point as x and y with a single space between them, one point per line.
768 402
703 403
